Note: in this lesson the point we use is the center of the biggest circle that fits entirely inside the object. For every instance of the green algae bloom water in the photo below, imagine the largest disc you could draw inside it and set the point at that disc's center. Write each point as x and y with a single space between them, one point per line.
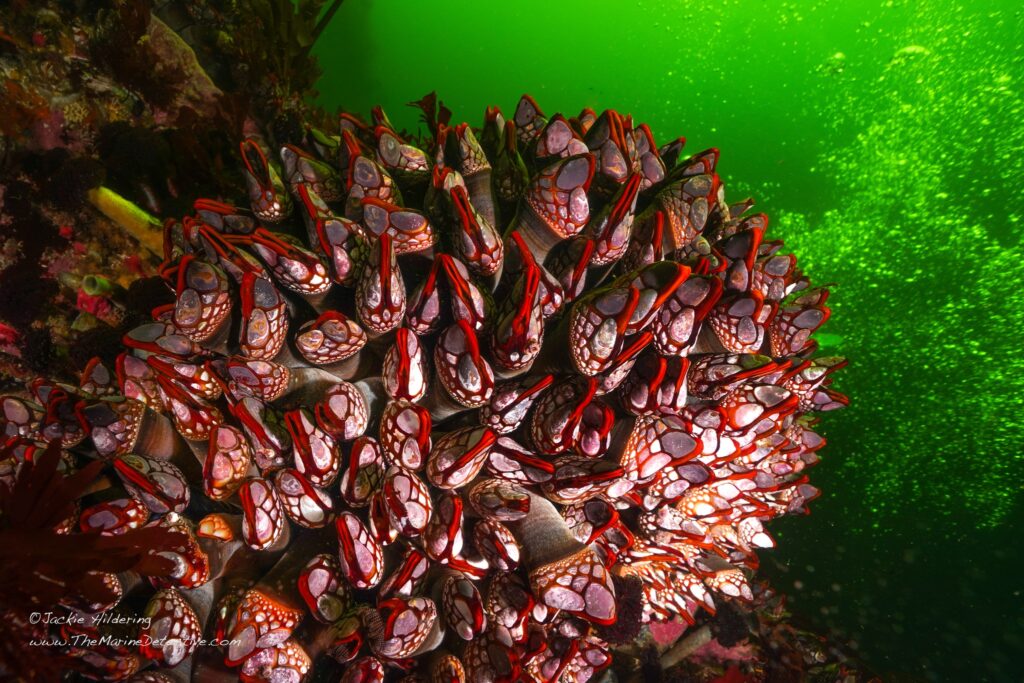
886 141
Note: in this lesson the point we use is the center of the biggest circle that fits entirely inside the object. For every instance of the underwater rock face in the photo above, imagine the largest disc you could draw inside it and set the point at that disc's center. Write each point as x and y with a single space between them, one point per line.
474 408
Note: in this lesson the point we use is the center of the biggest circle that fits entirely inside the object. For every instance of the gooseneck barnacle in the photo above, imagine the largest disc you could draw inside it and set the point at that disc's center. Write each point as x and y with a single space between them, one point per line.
454 408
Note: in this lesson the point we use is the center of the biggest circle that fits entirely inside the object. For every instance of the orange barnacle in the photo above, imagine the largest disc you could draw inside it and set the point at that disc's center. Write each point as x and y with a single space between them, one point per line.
216 526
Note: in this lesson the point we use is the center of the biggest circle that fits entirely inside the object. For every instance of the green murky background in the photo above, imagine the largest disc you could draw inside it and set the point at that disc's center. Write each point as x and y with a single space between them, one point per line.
886 141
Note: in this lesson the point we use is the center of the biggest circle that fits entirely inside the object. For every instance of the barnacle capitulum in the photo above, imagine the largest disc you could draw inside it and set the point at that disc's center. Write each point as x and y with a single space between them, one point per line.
437 437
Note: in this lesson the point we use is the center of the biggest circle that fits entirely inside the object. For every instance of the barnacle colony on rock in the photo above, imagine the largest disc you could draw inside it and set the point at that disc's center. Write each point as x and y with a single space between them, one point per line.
466 411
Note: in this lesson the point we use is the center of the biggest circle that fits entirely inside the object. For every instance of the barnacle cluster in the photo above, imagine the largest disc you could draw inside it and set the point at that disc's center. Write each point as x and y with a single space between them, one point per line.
469 409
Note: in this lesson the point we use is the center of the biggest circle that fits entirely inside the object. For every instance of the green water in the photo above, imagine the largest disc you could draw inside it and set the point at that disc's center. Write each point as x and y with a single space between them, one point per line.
886 140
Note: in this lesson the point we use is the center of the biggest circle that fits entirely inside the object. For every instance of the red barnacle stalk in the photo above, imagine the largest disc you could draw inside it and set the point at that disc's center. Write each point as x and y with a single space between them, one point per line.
556 205
114 517
810 383
686 204
263 521
462 371
712 376
324 589
362 560
472 162
462 606
337 237
161 338
264 318
294 267
270 201
399 627
612 228
510 174
202 300
363 474
408 576
173 631
97 380
270 611
609 140
61 419
583 122
195 378
264 427
595 429
316 455
286 661
159 485
381 528
555 421
343 412
405 434
330 339
380 293
115 425
425 307
20 418
649 159
655 284
302 169
264 379
679 320
364 178
224 217
261 620
194 418
790 329
488 659
458 456
773 271
304 503
496 544
558 139
466 300
407 501
510 402
442 539
579 477
410 230
510 461
364 670
657 385
499 500
519 326
478 244
741 251
598 324
529 120
407 163
549 289
191 562
568 263
405 372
